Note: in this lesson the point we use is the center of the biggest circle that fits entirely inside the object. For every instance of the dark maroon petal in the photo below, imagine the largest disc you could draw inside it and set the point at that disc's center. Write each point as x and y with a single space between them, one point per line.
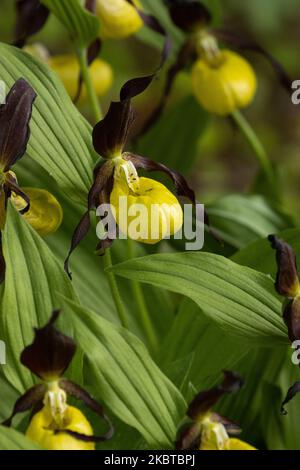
245 44
90 5
15 116
79 234
181 185
50 353
184 58
110 135
27 401
99 193
206 399
189 437
292 391
291 316
189 16
80 394
287 282
231 427
31 17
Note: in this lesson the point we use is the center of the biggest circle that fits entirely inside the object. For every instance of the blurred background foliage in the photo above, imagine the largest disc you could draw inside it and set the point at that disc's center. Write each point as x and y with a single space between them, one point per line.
222 163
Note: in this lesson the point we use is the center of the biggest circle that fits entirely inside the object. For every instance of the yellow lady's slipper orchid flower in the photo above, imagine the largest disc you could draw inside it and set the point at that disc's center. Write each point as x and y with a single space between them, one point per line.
42 430
225 84
118 18
214 436
67 68
163 214
45 214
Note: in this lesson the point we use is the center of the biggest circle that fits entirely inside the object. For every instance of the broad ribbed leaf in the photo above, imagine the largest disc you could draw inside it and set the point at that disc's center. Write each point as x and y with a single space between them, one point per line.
126 378
239 299
82 25
33 279
60 139
241 219
10 439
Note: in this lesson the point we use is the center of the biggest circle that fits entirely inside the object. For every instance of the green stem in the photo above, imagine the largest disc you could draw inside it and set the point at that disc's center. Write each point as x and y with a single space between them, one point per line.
107 260
86 76
142 306
255 145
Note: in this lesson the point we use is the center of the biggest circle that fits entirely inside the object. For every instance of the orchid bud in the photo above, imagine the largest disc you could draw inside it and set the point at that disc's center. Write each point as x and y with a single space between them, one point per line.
118 18
45 431
223 84
68 70
45 214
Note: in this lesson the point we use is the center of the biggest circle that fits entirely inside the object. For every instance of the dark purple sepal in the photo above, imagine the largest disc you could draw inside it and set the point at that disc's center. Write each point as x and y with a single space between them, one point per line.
292 391
50 353
189 437
15 115
206 399
31 17
291 316
287 281
190 16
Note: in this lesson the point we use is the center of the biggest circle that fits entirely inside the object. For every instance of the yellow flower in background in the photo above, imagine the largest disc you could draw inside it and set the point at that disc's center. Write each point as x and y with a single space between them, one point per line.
163 214
67 68
118 19
42 430
45 214
225 84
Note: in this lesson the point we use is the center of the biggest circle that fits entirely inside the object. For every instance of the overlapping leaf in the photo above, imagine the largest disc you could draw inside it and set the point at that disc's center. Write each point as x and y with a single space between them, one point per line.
128 380
239 299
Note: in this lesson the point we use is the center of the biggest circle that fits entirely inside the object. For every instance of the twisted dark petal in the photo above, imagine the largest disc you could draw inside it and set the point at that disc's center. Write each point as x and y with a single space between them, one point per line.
30 399
90 5
206 399
11 185
92 54
102 182
80 232
291 316
189 437
15 116
50 353
180 183
287 281
31 17
231 427
189 15
245 44
184 57
2 262
110 135
292 391
80 394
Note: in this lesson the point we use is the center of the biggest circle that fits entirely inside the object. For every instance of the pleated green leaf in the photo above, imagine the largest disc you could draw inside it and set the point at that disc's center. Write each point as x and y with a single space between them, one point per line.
33 280
126 378
239 299
14 440
60 139
82 25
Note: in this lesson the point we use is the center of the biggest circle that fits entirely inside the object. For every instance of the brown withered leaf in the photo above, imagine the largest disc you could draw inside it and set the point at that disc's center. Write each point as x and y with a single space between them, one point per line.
287 282
31 17
50 353
15 116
